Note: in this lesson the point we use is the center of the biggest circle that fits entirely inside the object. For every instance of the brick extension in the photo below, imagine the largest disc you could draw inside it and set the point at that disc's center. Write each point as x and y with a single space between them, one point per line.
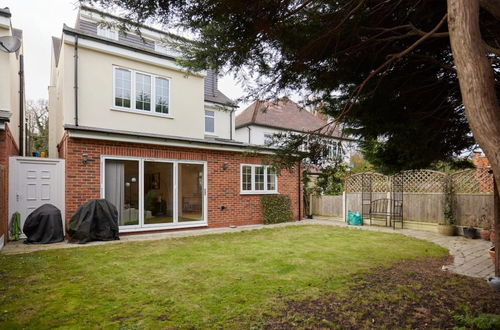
83 181
8 147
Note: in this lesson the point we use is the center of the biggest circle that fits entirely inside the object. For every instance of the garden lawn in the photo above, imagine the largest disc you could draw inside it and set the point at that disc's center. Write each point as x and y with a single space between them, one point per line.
233 280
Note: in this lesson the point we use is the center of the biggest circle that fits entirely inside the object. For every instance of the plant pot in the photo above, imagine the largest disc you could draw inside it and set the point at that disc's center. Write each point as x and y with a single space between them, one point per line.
485 234
492 253
470 232
446 230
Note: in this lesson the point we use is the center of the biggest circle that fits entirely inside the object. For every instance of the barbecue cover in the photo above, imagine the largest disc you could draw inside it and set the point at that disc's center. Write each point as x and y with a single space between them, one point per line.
95 221
44 225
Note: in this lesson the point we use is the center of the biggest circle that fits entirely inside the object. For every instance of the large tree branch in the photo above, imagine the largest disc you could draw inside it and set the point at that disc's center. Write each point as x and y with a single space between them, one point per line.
391 59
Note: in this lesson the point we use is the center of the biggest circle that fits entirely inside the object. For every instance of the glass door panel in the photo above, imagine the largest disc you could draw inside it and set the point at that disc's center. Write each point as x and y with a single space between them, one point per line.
158 193
121 188
190 192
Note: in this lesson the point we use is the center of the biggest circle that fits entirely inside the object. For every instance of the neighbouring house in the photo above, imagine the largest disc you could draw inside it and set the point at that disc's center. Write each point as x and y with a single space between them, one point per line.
12 103
134 127
262 119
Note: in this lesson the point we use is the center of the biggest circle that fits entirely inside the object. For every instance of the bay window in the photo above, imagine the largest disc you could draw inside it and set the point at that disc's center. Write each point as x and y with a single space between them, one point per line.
258 179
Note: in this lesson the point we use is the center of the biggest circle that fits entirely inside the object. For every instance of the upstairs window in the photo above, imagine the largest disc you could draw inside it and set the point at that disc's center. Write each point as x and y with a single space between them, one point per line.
107 32
209 121
141 91
161 98
258 179
123 87
268 139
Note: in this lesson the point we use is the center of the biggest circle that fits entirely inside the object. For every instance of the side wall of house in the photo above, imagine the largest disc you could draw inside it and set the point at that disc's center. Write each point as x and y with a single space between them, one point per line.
83 181
8 147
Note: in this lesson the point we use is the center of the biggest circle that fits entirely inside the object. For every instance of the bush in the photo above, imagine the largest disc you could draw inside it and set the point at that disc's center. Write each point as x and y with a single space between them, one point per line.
276 208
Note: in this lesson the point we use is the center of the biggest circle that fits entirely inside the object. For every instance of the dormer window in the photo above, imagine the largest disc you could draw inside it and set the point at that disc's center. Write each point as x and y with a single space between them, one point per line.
107 32
161 48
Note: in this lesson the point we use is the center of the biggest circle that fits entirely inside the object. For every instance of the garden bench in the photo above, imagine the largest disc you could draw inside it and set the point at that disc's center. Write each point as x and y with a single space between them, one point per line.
390 209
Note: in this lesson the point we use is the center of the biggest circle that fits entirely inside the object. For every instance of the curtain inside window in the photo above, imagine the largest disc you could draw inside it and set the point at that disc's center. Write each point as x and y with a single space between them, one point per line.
115 185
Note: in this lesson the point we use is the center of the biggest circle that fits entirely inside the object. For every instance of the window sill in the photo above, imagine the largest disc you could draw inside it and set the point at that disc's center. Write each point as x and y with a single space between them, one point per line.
145 113
253 192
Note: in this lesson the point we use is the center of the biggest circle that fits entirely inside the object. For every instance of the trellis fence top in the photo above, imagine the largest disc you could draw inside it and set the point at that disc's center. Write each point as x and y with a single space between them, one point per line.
472 181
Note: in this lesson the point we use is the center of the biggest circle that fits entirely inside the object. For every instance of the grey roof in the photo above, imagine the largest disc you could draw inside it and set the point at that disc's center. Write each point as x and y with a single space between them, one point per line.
210 141
56 46
5 12
5 115
136 43
285 114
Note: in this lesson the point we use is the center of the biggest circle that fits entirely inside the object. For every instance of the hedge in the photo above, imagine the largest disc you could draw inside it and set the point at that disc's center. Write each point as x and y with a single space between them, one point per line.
276 208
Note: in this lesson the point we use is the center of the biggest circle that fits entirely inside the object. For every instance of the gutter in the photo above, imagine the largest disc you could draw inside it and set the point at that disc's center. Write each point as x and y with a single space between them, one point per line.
75 56
21 105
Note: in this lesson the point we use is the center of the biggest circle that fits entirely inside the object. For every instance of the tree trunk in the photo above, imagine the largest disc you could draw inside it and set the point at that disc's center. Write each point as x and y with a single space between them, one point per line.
477 87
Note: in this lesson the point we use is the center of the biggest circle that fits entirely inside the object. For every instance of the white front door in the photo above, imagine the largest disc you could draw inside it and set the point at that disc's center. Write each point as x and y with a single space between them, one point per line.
34 182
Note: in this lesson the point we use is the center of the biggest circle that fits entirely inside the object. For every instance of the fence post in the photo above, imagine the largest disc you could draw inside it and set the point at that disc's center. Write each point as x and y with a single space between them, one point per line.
344 214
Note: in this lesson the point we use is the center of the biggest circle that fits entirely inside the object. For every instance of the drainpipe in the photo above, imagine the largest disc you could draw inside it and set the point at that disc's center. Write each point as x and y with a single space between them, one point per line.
230 125
21 105
249 134
76 80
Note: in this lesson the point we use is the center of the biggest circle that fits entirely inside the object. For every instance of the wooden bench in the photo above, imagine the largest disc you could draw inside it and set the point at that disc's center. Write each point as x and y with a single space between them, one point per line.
390 209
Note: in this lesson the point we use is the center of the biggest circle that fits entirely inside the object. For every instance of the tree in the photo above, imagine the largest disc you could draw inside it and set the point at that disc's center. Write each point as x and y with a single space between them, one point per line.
384 69
37 122
477 83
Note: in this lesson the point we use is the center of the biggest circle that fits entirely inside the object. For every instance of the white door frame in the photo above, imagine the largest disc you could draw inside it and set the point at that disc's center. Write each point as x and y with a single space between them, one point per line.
14 183
175 162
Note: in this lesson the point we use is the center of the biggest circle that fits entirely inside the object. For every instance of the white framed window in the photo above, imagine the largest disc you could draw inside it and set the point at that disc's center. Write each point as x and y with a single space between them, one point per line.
268 138
161 95
333 150
258 179
164 48
209 121
107 32
123 88
140 92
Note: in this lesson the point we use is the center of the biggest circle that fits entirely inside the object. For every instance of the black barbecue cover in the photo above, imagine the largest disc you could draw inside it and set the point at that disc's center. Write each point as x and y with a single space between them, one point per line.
44 225
95 221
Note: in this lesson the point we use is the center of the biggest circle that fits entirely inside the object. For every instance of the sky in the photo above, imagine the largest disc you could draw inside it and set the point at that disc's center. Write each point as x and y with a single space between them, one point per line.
42 19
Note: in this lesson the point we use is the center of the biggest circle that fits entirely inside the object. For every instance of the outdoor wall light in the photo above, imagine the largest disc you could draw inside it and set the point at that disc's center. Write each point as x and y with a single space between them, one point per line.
225 166
85 159
133 180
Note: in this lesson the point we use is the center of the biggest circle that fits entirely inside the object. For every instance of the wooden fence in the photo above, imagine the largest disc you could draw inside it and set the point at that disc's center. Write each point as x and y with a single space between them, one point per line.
470 209
423 196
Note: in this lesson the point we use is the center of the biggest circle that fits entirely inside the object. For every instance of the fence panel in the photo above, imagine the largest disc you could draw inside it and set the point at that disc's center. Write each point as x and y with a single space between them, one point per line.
327 206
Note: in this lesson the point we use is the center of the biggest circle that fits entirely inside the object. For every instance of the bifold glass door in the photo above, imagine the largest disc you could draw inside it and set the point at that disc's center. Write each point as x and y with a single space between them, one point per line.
155 193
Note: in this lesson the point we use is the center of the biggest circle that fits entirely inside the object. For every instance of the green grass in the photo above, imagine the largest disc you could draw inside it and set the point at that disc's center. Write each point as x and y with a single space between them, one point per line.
229 280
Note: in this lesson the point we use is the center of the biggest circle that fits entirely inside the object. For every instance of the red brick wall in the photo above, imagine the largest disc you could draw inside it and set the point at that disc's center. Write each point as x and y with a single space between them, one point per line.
83 182
8 147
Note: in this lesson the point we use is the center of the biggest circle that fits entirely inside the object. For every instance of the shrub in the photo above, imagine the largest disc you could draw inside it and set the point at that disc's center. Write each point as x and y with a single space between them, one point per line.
276 208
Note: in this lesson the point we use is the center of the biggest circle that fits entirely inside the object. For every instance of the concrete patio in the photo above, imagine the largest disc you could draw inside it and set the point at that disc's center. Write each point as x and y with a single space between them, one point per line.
470 256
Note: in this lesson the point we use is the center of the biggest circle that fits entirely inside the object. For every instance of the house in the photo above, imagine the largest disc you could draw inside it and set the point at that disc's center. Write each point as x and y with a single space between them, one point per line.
262 119
11 110
134 127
